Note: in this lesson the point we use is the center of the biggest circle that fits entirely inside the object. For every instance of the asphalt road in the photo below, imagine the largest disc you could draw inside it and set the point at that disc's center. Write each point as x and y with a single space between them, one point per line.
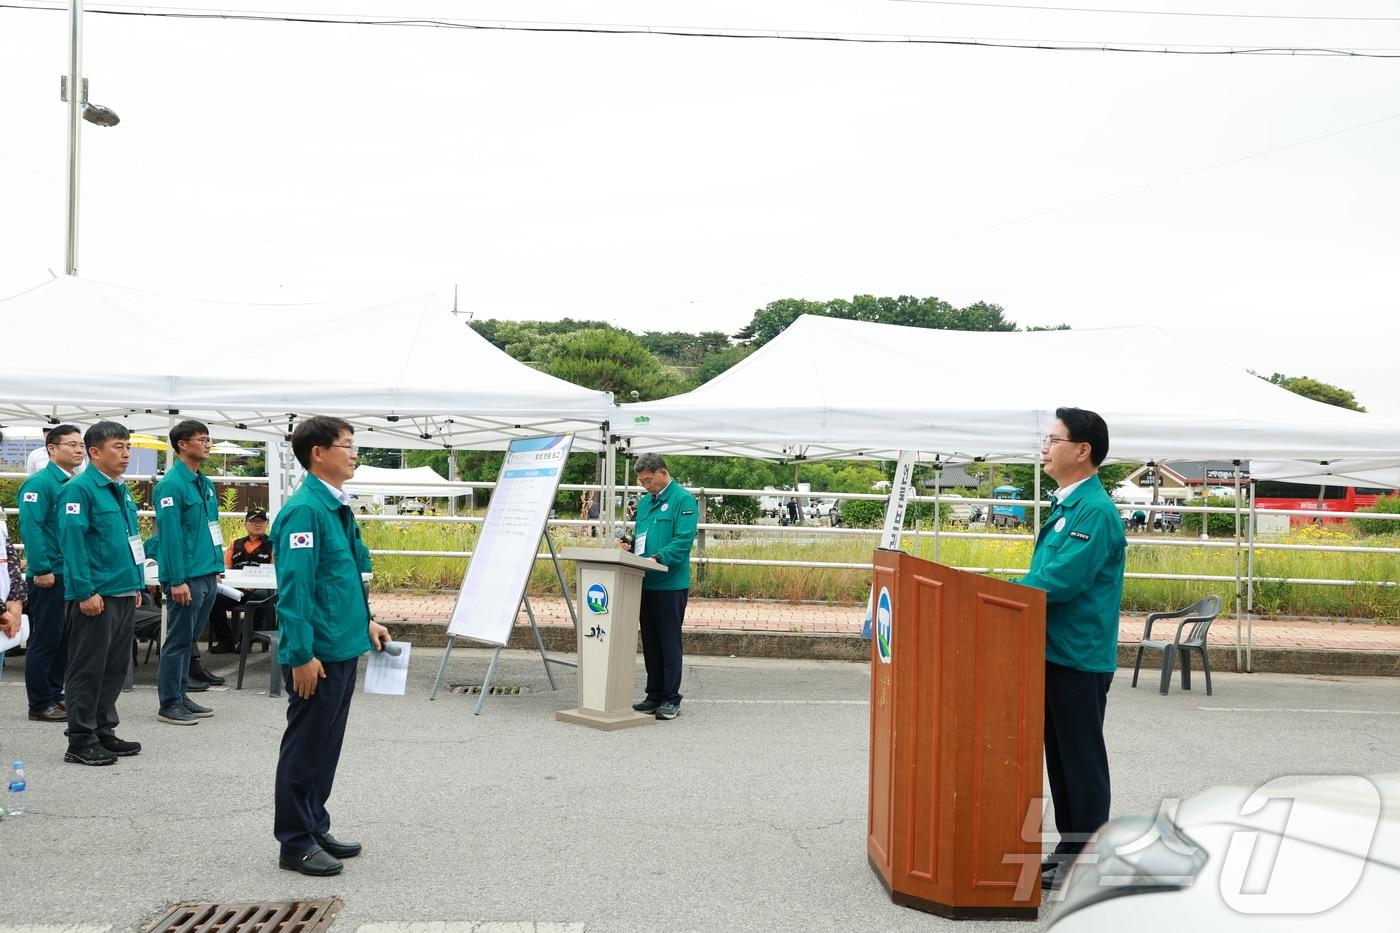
746 813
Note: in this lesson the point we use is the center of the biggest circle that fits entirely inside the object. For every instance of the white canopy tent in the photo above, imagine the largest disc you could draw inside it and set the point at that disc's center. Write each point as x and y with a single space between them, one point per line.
403 371
1374 474
829 388
420 482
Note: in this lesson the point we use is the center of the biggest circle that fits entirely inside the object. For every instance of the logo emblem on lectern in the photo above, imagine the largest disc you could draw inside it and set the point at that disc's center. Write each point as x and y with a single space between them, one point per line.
597 599
884 625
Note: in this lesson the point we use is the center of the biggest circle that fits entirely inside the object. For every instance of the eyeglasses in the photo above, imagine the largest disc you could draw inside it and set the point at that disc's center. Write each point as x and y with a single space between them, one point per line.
354 450
202 440
1051 440
71 445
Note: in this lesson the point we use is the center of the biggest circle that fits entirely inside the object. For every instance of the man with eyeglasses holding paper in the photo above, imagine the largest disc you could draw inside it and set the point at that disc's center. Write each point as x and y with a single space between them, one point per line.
324 622
47 660
103 568
190 555
1078 562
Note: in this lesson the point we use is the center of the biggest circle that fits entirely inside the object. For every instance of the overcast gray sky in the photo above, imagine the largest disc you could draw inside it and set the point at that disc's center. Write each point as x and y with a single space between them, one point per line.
1249 203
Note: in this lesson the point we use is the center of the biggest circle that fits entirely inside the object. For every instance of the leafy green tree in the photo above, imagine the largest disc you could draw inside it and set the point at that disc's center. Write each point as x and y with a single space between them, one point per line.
610 361
715 363
904 310
1317 390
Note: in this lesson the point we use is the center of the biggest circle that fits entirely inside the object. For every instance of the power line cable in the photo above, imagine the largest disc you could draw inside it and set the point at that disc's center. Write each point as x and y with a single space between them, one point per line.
1043 45
1079 9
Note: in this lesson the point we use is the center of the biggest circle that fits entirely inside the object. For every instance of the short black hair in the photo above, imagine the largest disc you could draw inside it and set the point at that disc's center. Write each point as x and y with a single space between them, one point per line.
317 431
57 434
1086 427
184 431
105 431
650 463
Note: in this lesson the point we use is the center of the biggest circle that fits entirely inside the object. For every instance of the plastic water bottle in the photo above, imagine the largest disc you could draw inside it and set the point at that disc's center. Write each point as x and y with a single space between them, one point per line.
14 798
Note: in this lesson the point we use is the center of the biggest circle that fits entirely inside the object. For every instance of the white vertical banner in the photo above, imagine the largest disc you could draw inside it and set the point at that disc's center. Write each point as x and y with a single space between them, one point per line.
894 519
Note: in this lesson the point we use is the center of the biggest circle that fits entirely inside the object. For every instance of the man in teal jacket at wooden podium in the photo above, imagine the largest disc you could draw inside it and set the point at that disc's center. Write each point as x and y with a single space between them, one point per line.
1078 562
665 532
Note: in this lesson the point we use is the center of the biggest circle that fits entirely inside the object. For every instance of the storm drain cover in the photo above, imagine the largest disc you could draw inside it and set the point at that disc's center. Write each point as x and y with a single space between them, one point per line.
497 690
271 917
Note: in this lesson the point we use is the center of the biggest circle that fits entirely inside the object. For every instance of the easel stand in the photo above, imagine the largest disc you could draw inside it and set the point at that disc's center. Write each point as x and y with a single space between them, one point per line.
534 627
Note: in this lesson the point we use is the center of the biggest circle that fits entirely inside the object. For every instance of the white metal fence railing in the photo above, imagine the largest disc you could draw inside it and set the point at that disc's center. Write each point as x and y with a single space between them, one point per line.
1244 541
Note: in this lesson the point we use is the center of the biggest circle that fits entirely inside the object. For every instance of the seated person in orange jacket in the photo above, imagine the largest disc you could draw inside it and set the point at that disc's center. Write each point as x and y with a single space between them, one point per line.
252 550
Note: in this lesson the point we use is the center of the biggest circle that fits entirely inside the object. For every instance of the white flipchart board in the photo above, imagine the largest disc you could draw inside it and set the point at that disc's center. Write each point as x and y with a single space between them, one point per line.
489 599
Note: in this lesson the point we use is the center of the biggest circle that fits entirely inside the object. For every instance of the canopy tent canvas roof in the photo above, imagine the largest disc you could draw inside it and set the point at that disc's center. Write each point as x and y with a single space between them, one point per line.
421 482
1375 474
403 371
833 388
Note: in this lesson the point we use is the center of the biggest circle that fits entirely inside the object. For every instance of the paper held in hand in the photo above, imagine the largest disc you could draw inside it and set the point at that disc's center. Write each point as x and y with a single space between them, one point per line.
387 673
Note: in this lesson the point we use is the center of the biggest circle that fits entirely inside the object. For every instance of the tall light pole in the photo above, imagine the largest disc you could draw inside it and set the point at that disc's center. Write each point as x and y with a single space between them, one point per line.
74 92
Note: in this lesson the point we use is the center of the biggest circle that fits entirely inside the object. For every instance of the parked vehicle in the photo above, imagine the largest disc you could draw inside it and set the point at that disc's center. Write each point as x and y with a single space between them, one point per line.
958 511
1007 516
1321 855
412 507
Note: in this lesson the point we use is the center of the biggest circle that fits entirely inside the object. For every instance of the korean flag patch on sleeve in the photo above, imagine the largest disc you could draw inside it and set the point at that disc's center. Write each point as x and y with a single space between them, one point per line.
167 501
31 497
301 539
72 508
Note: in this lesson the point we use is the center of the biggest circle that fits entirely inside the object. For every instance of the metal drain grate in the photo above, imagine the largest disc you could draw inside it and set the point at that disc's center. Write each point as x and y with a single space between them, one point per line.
497 690
272 917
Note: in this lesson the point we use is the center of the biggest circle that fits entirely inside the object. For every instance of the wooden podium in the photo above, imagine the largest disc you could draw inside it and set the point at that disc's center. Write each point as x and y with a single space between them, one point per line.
610 599
957 690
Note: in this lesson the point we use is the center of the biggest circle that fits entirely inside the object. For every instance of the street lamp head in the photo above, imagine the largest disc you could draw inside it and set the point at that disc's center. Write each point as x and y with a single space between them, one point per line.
100 115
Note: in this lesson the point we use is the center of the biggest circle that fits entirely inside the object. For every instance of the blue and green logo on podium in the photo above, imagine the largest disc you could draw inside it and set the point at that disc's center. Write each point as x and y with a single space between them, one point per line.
597 599
884 625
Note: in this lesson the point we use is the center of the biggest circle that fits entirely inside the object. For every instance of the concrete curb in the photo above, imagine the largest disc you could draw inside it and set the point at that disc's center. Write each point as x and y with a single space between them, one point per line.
1335 662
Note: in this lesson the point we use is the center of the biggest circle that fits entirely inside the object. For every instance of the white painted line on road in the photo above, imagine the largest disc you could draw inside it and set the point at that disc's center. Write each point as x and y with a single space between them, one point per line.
56 928
787 702
471 926
1285 709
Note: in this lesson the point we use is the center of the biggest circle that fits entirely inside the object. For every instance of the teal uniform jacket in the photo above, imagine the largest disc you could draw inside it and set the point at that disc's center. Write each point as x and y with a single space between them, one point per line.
668 520
38 520
322 606
1078 562
96 520
185 506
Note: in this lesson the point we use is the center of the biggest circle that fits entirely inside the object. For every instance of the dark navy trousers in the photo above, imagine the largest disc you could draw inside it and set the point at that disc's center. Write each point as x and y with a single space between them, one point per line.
1076 759
310 752
662 613
47 660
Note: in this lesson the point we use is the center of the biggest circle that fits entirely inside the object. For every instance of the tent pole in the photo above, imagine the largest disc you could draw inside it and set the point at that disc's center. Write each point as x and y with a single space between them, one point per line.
1239 544
1037 499
937 511
1249 591
609 482
452 477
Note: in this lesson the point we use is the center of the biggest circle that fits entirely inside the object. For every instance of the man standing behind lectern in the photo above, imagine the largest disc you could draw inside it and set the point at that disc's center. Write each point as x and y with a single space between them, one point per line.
1078 562
664 532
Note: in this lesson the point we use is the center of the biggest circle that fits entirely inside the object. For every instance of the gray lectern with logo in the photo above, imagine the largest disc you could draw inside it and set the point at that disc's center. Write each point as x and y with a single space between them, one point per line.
610 598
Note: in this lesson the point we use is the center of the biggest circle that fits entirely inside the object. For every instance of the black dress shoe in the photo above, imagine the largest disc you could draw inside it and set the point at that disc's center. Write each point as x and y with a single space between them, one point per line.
315 861
119 747
646 706
336 847
220 647
53 713
195 686
199 673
